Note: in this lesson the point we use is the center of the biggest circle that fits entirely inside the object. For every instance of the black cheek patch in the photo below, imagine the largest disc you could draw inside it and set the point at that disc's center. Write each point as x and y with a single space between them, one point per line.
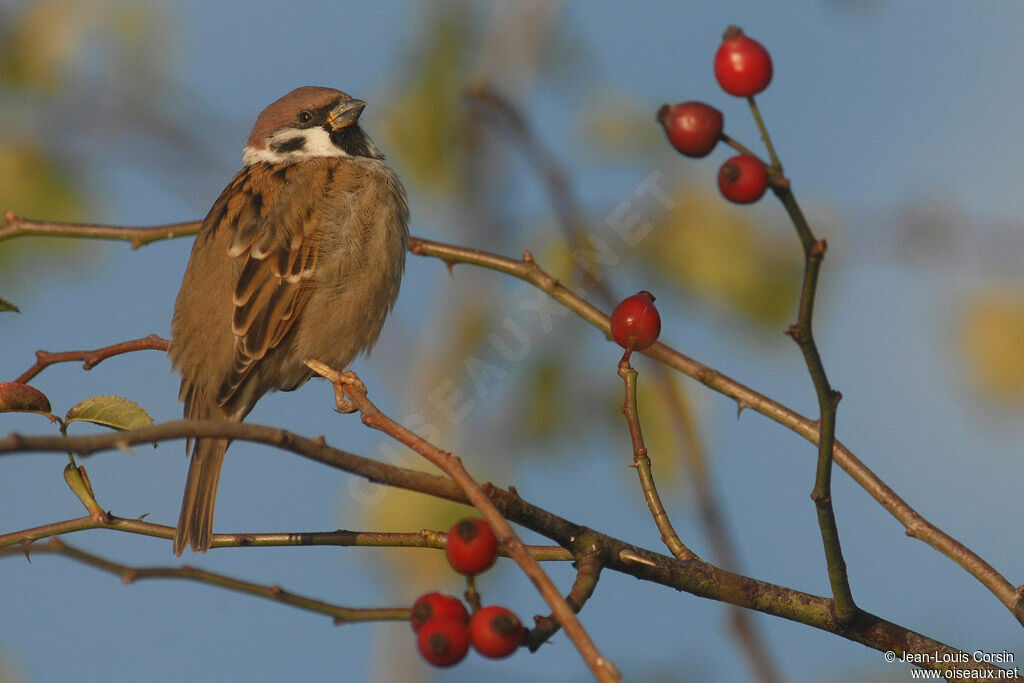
296 144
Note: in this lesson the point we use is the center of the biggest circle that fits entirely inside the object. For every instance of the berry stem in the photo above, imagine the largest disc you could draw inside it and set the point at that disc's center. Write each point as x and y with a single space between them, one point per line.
776 165
642 462
737 145
828 400
472 594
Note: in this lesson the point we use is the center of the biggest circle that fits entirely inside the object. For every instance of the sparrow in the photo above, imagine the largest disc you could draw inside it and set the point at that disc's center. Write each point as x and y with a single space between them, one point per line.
300 257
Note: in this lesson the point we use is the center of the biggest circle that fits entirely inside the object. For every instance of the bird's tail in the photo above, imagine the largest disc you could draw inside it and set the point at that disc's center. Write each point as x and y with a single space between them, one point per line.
195 525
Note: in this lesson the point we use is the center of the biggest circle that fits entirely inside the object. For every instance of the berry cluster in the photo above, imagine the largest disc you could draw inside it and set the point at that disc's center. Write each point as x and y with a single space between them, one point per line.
444 628
743 68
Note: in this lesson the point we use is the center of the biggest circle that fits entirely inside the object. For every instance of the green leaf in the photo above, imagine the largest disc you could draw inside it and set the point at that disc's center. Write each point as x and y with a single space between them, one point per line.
110 411
6 305
16 397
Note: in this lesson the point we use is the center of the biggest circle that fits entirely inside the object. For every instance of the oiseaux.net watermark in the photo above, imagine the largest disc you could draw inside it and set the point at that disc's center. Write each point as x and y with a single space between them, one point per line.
998 658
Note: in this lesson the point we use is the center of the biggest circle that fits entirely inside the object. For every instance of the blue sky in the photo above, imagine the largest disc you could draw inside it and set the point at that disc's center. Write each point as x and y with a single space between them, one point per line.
873 108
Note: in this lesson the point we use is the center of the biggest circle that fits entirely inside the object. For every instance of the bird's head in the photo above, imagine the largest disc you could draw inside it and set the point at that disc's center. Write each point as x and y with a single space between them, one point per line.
306 123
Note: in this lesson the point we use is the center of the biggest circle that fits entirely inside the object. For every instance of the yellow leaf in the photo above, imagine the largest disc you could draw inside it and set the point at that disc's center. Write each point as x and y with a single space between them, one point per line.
990 335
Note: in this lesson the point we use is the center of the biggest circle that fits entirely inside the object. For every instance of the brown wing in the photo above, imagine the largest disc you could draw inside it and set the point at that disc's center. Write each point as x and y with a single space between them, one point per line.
276 236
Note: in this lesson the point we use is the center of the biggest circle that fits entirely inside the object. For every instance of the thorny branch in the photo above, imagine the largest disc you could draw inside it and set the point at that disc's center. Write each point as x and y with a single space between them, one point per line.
341 615
350 393
694 576
828 398
917 526
91 359
630 560
642 463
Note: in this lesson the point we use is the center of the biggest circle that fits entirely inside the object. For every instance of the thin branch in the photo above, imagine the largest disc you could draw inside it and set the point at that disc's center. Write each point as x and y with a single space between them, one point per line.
642 463
526 269
694 576
14 226
588 571
765 137
350 393
426 538
828 399
916 525
94 357
341 615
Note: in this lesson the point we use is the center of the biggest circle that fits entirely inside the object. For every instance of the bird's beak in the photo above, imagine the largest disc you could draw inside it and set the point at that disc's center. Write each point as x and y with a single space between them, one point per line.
345 114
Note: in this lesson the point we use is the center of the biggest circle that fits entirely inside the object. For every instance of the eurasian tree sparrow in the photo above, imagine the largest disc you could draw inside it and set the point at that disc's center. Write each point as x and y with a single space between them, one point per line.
300 257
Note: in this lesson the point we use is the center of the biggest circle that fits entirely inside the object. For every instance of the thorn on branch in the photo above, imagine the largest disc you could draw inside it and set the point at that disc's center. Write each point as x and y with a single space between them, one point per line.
740 407
629 557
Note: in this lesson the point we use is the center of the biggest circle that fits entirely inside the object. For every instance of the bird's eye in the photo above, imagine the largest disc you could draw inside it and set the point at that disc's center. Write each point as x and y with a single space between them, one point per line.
305 117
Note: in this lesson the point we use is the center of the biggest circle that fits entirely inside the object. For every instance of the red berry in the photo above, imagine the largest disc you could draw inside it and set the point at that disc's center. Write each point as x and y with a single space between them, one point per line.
743 66
743 179
435 606
472 547
495 632
443 642
693 128
635 322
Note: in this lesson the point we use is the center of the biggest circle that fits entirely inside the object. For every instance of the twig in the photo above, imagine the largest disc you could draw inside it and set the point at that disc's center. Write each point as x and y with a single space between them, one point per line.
694 576
916 525
526 269
92 358
14 226
828 399
341 615
588 571
426 538
351 392
642 463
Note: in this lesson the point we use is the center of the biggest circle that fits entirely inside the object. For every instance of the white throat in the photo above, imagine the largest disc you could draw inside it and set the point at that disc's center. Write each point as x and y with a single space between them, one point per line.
281 146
